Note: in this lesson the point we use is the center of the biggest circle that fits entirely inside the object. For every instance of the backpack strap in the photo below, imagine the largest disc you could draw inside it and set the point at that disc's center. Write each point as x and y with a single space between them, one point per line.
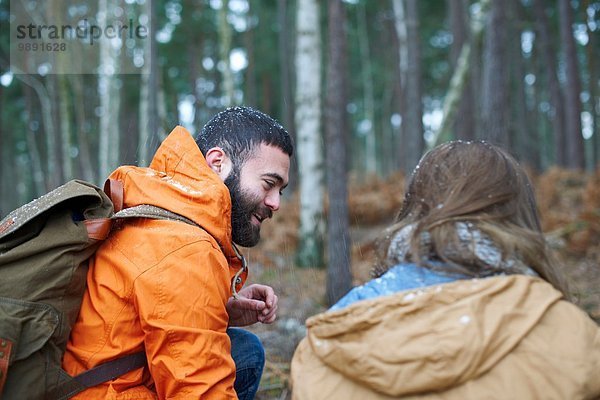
100 228
152 212
105 372
97 375
116 192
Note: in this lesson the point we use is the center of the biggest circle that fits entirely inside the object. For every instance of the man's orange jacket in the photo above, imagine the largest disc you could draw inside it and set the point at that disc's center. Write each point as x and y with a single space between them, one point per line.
161 286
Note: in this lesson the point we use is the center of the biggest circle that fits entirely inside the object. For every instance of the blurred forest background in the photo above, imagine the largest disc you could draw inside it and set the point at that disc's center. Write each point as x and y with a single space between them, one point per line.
365 87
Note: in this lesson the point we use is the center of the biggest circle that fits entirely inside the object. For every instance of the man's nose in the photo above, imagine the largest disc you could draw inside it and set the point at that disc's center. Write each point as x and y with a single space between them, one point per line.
273 201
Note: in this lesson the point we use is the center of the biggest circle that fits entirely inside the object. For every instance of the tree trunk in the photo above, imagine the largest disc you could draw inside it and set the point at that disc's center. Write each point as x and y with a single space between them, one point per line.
524 137
104 145
285 67
594 102
4 154
190 11
389 105
495 96
572 89
148 124
308 129
540 93
556 99
32 147
401 34
52 178
266 91
7 154
287 101
63 99
368 123
59 177
65 126
51 83
339 277
161 109
463 73
464 123
250 96
224 50
413 132
144 123
108 89
85 160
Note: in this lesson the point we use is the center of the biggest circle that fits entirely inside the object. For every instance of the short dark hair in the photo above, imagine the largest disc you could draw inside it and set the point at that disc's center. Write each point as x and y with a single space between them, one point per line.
239 130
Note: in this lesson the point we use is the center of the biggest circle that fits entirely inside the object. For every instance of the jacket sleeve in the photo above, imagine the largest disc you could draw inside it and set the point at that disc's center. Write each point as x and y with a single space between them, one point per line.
181 304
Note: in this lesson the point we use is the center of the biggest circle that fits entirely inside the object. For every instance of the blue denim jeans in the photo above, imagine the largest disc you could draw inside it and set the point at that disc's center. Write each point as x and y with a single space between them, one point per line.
249 356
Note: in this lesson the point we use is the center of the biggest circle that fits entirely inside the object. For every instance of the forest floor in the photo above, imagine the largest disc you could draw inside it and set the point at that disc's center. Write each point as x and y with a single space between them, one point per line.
569 206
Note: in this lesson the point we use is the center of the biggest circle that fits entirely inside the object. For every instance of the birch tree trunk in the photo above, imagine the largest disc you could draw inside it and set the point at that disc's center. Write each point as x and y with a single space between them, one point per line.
161 110
109 92
144 122
496 78
109 124
339 277
308 130
572 89
148 92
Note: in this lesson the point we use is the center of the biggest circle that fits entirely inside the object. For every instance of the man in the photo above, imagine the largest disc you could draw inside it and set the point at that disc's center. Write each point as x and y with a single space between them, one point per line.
170 288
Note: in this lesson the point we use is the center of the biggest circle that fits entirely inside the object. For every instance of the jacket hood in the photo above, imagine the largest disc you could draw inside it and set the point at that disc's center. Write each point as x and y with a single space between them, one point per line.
180 180
430 339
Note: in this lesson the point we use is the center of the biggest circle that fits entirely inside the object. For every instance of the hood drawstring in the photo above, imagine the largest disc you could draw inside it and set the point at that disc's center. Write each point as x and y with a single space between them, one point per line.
237 278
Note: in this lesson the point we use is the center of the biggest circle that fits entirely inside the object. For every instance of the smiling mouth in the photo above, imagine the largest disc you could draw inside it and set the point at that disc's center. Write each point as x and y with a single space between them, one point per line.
259 218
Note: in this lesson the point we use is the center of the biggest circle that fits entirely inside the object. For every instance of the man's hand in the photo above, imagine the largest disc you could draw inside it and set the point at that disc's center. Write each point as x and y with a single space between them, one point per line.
255 303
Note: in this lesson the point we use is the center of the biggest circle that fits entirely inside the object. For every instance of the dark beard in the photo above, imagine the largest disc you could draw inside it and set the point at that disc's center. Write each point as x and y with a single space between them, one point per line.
243 232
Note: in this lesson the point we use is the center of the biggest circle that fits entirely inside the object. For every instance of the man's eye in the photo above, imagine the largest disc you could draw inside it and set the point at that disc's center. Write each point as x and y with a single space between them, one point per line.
270 184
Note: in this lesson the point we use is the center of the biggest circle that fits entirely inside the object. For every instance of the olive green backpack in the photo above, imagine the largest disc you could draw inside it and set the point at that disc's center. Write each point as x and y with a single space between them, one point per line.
44 247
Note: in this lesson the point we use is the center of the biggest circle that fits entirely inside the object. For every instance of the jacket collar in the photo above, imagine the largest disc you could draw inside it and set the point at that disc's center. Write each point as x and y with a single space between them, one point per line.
180 180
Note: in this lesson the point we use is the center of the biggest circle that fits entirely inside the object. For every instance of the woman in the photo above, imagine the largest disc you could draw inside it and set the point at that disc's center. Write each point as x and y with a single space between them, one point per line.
468 302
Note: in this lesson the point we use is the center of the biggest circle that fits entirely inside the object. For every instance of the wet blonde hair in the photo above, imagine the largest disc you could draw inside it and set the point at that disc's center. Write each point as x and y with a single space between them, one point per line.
480 184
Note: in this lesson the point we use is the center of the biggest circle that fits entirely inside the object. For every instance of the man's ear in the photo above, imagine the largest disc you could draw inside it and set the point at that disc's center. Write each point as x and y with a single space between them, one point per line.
219 162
